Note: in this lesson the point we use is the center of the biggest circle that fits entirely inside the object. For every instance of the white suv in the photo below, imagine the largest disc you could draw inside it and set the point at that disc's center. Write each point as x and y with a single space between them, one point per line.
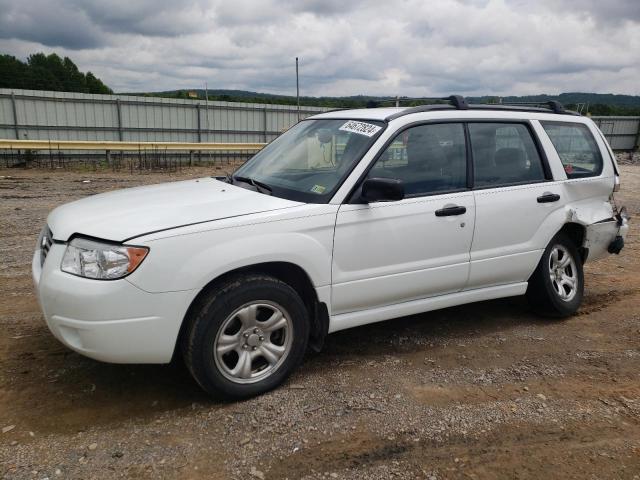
350 217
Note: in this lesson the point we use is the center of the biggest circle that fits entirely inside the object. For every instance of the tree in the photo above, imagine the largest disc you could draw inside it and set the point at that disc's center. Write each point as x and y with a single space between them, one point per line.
48 72
11 70
95 85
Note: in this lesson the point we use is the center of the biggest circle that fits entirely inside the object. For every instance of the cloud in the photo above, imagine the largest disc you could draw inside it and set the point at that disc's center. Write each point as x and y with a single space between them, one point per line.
603 12
164 18
40 21
405 47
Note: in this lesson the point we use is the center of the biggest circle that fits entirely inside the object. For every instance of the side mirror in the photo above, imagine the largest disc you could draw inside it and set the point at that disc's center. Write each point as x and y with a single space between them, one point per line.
382 190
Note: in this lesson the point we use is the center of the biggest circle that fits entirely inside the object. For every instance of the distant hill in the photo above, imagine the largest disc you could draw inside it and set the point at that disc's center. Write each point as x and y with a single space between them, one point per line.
355 101
572 98
595 103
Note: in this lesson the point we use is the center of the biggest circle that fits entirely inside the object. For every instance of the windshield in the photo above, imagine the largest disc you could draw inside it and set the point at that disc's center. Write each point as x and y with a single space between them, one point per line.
309 161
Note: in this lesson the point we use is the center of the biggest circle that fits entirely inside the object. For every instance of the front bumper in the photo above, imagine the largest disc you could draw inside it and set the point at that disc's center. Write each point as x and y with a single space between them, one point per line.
112 321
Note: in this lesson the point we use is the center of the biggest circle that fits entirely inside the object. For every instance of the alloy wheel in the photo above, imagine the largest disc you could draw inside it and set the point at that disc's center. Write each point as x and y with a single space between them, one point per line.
563 273
253 342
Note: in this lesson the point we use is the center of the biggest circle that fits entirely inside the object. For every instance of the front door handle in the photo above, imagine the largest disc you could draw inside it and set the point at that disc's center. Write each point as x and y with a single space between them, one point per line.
548 198
447 211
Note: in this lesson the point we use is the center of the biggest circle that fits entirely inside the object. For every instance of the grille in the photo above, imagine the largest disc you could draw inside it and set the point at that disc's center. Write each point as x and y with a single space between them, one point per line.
45 244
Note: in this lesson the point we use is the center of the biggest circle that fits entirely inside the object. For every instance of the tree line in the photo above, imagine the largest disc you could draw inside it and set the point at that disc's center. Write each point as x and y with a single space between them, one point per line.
48 72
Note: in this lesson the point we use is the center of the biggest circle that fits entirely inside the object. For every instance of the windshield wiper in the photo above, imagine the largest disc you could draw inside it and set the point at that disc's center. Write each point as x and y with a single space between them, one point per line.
259 186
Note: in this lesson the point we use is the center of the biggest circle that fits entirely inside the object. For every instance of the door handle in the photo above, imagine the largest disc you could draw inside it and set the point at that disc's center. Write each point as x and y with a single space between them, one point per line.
548 198
447 211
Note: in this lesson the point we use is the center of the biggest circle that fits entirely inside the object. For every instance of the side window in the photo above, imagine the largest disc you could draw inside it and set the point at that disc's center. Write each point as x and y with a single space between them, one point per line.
576 148
427 158
504 154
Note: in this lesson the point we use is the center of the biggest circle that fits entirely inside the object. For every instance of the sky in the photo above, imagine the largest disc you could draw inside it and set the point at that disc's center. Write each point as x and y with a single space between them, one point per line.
346 47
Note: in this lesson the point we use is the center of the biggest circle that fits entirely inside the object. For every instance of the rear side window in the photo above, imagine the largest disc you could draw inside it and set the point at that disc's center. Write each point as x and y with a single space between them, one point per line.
576 148
504 154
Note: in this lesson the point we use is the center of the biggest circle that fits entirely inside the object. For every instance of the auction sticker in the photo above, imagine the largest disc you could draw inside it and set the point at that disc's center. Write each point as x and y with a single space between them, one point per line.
362 128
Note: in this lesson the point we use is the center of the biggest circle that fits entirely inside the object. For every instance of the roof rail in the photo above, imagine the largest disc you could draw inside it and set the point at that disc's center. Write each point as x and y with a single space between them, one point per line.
554 105
458 102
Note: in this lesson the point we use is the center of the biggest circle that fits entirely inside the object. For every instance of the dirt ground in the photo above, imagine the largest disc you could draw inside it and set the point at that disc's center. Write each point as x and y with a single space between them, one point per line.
480 391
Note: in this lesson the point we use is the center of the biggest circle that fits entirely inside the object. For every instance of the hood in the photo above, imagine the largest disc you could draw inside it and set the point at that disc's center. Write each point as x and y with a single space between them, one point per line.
123 214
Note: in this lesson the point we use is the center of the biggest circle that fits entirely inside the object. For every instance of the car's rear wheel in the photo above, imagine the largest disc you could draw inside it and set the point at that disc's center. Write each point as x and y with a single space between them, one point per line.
246 336
557 285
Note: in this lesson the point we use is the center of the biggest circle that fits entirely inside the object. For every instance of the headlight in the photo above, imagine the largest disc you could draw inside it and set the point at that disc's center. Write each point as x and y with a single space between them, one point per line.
92 259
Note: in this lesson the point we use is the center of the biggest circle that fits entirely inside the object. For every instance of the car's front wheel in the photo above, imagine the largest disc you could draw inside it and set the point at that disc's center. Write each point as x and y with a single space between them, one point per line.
246 336
557 285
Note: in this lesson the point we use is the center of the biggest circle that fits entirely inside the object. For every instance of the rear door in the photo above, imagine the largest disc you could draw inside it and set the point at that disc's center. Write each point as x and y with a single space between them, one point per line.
514 195
391 252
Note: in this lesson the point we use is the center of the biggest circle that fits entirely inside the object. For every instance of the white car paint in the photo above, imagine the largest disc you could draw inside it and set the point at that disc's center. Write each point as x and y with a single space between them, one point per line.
367 262
125 214
393 252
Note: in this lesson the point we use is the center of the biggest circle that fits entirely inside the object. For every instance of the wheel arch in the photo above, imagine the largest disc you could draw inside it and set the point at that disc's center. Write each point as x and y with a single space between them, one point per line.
577 233
291 274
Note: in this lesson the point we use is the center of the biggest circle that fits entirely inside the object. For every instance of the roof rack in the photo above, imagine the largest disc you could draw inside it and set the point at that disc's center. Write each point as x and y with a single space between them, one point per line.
458 102
554 105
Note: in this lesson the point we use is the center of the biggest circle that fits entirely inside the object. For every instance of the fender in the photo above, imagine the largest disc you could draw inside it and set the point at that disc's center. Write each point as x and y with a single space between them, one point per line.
196 258
586 203
595 215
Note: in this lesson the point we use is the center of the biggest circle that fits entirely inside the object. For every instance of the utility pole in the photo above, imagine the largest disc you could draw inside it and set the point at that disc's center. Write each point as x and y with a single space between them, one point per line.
206 118
297 89
206 109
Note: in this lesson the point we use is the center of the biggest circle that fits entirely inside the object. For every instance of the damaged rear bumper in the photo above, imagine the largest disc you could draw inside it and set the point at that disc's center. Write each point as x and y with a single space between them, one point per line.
606 236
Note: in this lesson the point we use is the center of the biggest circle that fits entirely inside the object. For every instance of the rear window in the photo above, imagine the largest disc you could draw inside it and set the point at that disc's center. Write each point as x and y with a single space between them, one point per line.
504 154
576 147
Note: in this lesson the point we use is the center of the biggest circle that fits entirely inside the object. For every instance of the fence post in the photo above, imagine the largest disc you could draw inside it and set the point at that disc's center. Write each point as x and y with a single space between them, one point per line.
15 115
119 119
637 142
264 111
199 123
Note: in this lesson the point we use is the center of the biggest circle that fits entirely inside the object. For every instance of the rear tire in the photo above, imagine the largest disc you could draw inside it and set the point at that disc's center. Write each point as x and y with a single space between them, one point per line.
556 287
246 336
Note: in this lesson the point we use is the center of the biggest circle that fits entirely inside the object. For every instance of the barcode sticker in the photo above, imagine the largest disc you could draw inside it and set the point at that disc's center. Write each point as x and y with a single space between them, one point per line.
362 128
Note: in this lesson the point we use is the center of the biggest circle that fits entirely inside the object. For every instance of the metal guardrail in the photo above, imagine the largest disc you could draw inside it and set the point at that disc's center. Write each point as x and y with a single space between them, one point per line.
110 146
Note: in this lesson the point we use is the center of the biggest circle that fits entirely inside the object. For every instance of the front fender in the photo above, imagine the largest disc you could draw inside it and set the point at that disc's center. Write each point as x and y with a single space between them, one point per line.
185 262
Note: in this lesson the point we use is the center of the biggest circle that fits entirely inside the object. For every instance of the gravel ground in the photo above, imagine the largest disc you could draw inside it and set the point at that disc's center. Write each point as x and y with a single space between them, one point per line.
478 391
628 158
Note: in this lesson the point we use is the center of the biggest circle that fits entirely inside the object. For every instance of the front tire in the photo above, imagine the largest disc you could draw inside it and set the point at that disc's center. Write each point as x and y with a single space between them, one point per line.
556 287
246 336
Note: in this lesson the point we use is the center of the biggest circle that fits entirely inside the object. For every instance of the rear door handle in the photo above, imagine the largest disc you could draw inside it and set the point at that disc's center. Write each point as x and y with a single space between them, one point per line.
447 211
548 198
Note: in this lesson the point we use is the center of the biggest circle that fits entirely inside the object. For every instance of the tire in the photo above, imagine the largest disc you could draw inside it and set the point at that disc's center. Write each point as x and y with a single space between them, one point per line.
245 336
556 287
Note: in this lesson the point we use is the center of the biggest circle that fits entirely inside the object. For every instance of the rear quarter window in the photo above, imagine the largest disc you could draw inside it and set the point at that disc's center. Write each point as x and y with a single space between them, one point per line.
504 154
576 147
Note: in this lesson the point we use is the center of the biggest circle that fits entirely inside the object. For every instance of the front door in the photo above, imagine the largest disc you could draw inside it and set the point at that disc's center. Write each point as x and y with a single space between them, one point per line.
391 252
